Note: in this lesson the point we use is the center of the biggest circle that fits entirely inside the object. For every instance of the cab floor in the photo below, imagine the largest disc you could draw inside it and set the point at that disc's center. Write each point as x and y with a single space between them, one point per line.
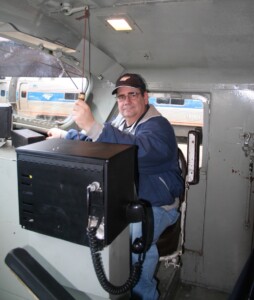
171 288
190 292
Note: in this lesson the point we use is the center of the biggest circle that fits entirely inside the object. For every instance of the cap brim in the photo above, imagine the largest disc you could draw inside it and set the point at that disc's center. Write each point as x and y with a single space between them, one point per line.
115 90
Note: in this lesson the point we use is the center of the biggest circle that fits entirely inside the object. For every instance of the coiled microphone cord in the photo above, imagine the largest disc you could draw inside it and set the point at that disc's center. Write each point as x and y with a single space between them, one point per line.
99 270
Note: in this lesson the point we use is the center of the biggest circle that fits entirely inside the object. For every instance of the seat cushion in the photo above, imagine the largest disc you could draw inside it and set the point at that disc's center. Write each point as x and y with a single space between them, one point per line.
168 240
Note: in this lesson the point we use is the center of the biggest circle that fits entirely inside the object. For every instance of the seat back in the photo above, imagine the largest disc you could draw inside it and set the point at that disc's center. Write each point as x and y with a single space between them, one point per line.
170 243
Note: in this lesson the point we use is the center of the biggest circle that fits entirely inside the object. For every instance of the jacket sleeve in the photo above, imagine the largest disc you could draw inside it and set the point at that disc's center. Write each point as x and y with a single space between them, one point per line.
74 134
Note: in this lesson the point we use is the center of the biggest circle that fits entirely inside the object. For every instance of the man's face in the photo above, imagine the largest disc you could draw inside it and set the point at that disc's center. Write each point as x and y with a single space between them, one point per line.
131 103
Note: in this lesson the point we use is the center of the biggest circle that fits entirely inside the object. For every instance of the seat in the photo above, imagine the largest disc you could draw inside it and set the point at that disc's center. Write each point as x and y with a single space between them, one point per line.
170 243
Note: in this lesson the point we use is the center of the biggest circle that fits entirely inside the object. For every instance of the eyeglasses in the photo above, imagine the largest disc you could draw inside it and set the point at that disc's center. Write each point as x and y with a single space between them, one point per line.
131 96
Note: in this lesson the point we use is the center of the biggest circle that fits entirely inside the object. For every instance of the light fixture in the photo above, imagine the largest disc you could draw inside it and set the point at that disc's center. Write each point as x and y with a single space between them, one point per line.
119 24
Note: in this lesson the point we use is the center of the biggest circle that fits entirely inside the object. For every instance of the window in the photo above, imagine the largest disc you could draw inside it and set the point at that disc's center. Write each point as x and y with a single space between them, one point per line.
37 98
162 101
177 101
47 98
23 94
42 90
185 112
71 96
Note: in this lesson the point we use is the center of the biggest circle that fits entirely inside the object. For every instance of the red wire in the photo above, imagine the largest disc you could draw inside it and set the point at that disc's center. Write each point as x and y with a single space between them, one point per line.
84 50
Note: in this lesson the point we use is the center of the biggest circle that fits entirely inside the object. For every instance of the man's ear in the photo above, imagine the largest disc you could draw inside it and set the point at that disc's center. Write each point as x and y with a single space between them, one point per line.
146 97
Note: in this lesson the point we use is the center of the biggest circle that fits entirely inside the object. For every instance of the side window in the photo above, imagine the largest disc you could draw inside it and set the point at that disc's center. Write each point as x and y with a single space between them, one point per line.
71 96
23 94
185 112
41 92
43 99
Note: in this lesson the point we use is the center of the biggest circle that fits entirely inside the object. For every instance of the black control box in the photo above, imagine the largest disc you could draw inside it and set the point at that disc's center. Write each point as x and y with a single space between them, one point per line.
21 137
5 120
54 177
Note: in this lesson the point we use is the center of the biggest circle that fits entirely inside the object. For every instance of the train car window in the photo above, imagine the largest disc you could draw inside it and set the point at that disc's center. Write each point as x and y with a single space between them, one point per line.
185 112
2 93
23 94
162 100
177 101
71 96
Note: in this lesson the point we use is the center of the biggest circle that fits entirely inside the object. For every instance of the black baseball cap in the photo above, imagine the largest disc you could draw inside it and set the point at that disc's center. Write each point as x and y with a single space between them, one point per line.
130 80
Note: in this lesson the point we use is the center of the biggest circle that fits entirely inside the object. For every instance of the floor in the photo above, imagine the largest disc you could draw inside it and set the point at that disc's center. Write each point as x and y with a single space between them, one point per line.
171 289
188 292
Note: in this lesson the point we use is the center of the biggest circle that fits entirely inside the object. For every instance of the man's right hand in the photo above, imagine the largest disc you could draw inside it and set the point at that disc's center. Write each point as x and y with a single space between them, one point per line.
56 133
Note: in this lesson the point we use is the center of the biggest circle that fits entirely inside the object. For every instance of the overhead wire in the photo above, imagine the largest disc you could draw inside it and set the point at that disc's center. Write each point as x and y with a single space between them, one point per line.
86 18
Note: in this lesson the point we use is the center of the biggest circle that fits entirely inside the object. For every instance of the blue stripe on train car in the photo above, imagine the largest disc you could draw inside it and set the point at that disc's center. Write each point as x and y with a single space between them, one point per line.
44 96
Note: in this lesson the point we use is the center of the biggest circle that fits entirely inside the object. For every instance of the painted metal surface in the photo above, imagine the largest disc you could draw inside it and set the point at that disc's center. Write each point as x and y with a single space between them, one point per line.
69 263
204 48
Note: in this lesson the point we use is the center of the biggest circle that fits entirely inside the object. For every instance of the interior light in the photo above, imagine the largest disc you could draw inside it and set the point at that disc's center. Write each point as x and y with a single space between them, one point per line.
119 24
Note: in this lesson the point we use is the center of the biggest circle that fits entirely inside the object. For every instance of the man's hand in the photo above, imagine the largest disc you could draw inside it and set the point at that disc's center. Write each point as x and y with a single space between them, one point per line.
82 115
56 133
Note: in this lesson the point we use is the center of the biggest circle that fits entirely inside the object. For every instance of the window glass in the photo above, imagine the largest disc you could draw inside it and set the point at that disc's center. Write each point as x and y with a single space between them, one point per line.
47 98
41 88
185 112
42 98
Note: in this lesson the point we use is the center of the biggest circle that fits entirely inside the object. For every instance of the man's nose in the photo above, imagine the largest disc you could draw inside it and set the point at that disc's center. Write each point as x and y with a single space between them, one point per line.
127 99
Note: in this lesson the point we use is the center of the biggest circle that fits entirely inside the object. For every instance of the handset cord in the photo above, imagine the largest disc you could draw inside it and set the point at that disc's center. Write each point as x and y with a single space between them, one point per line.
99 269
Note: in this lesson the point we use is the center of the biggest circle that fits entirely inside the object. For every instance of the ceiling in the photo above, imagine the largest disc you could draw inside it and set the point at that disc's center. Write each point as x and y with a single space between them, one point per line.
167 34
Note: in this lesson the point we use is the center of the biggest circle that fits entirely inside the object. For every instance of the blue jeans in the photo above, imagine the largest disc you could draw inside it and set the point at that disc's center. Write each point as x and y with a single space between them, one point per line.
146 288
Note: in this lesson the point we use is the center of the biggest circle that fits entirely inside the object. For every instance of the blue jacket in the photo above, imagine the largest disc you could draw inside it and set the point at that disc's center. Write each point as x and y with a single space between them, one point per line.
160 180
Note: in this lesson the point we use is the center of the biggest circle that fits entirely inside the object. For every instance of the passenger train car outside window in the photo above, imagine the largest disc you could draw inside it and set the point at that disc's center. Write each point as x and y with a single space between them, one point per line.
42 98
185 112
43 87
47 98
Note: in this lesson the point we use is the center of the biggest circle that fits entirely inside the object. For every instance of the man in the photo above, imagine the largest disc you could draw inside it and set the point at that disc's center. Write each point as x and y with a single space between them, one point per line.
160 180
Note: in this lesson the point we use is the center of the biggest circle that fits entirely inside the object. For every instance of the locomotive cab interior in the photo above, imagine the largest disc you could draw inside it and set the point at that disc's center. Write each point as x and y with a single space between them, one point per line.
198 62
52 215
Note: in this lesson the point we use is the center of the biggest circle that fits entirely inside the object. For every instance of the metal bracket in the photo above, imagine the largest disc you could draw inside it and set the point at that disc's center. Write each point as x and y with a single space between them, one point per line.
248 144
